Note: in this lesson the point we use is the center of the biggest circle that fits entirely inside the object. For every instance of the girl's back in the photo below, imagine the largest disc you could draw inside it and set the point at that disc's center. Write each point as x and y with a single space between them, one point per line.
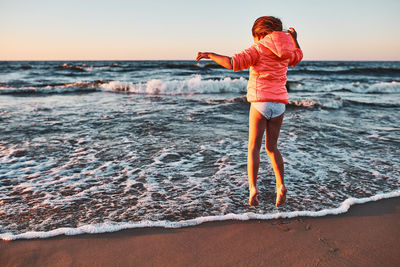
268 60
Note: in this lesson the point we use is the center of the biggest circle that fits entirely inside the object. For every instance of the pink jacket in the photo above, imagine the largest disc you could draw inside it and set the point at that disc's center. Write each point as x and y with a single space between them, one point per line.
268 60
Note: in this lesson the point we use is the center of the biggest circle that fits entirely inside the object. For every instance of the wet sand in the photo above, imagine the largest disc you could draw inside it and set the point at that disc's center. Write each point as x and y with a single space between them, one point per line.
367 235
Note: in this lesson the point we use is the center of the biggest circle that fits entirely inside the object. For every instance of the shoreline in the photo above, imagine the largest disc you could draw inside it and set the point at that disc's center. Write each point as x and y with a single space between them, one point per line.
366 235
109 228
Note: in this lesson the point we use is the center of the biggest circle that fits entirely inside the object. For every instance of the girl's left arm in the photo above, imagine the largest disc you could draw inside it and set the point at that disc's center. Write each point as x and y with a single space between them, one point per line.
293 33
298 54
224 61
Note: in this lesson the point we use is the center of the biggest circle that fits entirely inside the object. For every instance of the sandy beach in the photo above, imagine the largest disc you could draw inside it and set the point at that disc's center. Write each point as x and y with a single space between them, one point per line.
367 235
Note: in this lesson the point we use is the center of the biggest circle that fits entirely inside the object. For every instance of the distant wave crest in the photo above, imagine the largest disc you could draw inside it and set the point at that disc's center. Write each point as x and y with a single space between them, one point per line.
392 87
51 88
351 71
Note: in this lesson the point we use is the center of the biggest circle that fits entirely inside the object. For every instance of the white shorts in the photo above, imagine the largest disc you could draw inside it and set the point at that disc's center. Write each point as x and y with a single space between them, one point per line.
269 109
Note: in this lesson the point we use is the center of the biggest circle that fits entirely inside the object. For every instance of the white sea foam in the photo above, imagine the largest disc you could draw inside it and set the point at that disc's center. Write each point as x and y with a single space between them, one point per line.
193 85
392 87
370 88
384 87
329 102
196 84
114 226
189 86
50 89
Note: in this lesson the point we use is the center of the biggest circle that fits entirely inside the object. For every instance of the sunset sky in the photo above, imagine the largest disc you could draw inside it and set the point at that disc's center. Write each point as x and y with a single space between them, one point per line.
178 29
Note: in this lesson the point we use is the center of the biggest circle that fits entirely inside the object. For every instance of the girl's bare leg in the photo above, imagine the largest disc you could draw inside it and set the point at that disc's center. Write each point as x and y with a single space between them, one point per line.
272 133
257 124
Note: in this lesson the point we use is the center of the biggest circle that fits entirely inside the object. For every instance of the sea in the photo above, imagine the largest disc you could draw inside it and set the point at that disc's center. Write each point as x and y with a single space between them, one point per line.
100 146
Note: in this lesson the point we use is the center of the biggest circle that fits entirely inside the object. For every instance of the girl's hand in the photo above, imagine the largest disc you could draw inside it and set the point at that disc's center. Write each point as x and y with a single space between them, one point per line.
224 61
293 33
202 55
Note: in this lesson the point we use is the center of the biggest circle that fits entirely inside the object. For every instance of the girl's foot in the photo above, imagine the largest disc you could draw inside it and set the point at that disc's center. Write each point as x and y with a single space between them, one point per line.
280 195
253 199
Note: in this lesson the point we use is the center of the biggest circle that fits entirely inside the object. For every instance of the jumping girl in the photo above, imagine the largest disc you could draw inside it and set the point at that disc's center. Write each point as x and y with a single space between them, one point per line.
268 58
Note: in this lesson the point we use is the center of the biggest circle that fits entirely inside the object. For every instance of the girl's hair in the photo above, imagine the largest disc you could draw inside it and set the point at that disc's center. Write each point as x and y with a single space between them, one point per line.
266 25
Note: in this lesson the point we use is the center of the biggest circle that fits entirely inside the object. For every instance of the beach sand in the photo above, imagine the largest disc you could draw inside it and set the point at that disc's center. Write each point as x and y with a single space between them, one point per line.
367 235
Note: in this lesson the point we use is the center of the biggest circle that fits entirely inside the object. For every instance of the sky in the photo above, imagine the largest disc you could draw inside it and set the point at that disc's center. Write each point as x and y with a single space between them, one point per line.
178 29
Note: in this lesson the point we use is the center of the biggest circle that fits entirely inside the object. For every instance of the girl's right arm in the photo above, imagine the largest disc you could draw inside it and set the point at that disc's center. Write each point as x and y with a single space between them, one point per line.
224 61
239 61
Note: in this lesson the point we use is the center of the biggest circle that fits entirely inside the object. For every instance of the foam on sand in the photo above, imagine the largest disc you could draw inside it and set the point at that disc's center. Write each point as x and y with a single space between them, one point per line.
113 226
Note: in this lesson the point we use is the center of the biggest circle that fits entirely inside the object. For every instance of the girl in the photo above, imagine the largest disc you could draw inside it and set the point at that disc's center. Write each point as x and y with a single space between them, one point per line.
268 58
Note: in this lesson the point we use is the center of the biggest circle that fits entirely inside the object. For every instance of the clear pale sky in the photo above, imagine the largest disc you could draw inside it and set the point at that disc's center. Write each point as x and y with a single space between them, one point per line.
178 29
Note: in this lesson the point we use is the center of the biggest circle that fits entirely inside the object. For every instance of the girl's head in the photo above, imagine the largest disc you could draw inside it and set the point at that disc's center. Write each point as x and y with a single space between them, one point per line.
265 25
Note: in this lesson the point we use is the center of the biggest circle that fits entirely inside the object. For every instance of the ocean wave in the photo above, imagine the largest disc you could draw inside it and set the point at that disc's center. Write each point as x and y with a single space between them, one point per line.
350 71
377 88
392 87
111 226
371 104
239 99
335 103
328 102
194 85
191 86
51 88
140 65
79 68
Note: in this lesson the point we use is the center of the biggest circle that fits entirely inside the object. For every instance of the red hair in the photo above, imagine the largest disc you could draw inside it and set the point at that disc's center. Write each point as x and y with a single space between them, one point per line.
266 25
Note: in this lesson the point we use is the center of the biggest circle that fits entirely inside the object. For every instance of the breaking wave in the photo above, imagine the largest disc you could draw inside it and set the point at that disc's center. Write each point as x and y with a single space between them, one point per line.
194 85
